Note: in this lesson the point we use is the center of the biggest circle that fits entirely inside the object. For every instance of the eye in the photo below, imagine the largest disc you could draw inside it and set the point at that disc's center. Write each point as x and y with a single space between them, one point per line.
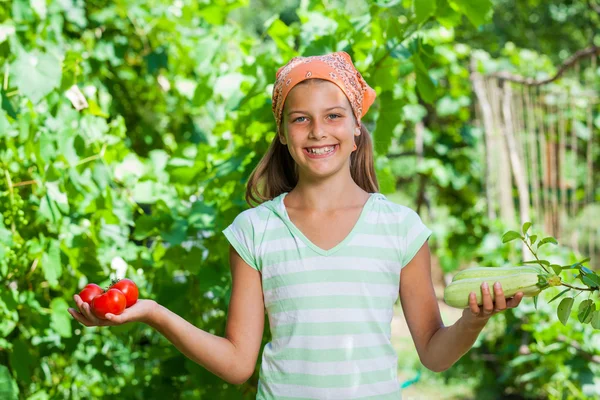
297 119
334 116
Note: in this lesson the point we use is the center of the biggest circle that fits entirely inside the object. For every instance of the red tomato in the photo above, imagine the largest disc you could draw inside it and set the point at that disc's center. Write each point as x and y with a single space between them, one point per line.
89 292
129 289
112 301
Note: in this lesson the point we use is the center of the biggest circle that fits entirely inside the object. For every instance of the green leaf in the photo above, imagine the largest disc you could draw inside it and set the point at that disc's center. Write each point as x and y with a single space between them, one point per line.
532 239
544 262
559 295
586 270
446 15
591 280
564 309
586 308
535 301
475 10
51 263
510 236
60 198
60 318
425 87
388 118
36 74
546 240
423 10
8 311
596 319
22 360
576 265
526 227
8 387
556 268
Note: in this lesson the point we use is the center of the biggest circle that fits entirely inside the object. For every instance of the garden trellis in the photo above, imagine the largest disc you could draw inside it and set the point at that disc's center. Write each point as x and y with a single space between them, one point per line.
542 149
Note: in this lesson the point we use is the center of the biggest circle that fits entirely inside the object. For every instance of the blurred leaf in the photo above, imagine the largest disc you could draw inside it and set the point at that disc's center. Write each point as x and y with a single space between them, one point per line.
596 319
591 280
389 116
475 10
423 9
586 308
51 263
564 309
510 236
532 239
559 295
8 387
37 74
537 262
556 268
546 241
21 361
8 312
60 317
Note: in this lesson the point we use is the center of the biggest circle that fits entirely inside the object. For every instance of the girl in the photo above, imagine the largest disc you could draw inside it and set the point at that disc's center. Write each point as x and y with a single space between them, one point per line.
326 255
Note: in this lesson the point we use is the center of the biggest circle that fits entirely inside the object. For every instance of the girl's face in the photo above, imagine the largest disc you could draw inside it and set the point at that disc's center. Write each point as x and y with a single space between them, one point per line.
318 128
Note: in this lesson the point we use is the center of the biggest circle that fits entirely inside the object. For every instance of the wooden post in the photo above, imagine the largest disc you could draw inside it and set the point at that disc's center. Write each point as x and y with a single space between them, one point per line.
515 159
486 110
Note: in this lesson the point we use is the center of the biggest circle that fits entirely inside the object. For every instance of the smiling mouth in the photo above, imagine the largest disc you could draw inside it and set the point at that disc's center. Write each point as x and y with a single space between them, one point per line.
319 151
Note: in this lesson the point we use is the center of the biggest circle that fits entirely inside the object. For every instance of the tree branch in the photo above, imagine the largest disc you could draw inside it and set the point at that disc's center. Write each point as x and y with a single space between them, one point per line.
398 155
590 51
593 6
595 358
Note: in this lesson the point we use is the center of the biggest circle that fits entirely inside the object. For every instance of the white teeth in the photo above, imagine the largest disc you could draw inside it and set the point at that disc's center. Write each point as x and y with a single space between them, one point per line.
322 150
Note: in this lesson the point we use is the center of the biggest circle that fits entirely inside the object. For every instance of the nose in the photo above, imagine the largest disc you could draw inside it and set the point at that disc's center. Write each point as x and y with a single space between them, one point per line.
317 131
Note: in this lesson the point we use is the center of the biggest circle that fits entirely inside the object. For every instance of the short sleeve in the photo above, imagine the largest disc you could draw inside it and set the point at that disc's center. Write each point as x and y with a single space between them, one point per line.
241 235
415 235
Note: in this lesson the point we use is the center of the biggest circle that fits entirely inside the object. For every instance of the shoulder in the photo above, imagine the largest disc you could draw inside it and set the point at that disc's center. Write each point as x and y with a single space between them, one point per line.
255 218
391 212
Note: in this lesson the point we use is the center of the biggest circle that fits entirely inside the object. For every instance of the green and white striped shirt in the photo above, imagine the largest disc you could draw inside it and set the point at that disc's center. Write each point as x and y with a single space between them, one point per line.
330 311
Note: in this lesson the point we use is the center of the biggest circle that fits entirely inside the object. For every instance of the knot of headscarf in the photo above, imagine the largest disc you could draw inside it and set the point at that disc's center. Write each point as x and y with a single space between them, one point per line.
335 67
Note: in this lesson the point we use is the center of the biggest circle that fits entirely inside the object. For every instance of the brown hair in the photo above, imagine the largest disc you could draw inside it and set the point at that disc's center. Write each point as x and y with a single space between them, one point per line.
276 172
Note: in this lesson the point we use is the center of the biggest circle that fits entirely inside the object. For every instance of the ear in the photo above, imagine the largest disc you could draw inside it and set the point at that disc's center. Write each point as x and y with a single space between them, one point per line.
357 131
282 140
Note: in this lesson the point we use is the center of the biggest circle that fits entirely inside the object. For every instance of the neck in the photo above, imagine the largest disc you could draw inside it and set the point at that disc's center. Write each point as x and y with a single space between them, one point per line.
325 194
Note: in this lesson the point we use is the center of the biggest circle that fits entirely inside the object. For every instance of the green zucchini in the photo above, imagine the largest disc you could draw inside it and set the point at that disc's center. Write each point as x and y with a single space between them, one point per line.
456 293
482 272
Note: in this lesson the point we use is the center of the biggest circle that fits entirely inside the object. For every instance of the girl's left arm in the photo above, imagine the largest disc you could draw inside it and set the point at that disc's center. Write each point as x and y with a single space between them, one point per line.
439 347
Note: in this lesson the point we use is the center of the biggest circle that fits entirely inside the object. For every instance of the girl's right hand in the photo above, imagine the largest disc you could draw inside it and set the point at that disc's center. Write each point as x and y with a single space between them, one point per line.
139 312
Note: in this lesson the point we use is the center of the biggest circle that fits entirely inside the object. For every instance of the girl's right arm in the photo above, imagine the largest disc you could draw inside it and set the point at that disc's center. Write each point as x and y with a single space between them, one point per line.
233 357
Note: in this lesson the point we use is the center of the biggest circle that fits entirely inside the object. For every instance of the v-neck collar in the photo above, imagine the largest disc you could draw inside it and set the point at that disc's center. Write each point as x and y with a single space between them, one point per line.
286 219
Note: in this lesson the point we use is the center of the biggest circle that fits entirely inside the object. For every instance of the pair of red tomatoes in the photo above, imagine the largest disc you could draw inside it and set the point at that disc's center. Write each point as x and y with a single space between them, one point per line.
119 296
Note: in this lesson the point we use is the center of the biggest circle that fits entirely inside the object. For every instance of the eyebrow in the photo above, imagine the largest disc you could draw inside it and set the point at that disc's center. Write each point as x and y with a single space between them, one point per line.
305 112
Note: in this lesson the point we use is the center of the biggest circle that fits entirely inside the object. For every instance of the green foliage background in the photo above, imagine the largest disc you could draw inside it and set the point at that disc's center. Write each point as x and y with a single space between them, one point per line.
150 173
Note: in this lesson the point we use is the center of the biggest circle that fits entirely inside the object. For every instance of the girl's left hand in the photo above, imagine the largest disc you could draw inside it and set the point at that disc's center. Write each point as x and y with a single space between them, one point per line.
476 313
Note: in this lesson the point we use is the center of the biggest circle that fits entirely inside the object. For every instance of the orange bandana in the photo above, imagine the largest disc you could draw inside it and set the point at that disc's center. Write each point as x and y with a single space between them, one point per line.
335 67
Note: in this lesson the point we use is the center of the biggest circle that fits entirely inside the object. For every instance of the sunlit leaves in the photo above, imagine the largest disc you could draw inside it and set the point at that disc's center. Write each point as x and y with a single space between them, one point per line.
51 262
37 74
8 387
424 9
60 318
476 11
389 117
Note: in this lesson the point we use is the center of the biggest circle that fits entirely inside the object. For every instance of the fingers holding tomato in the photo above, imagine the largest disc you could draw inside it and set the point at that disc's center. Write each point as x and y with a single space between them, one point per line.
94 303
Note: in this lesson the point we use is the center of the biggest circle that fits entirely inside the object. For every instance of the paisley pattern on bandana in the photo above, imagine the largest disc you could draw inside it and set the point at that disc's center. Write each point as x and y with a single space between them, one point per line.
335 67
